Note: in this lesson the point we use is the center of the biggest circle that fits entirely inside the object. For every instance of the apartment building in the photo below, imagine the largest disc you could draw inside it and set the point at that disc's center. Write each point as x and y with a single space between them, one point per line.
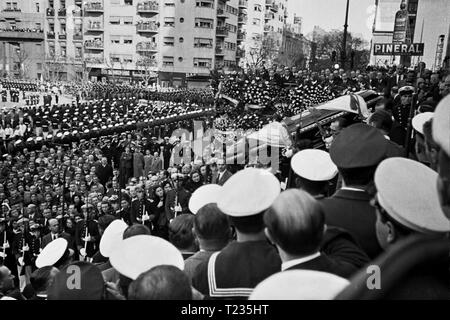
22 38
261 25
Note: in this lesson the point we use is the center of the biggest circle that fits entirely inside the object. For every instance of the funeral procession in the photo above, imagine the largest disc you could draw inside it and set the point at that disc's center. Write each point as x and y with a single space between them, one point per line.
222 152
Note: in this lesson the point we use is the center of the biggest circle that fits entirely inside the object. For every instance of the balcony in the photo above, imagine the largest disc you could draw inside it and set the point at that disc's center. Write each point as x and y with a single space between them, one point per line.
93 45
221 32
62 13
146 47
221 14
268 16
243 4
269 3
77 13
96 62
62 37
94 26
50 35
274 8
146 63
242 19
146 27
148 8
241 36
21 34
12 10
220 51
94 7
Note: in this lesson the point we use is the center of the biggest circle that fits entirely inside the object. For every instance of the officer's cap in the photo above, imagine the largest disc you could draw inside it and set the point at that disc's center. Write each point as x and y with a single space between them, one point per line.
140 253
204 195
407 192
441 124
111 237
358 146
314 165
419 120
248 192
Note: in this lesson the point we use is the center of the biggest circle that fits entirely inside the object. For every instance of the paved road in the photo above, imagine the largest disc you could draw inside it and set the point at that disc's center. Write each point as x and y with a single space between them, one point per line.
62 100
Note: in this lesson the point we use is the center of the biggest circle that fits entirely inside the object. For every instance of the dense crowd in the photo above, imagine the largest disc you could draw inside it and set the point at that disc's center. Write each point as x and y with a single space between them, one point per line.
94 190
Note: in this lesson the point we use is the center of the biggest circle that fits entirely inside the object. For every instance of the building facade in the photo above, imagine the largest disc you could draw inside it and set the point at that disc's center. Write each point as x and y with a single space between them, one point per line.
22 45
428 22
172 42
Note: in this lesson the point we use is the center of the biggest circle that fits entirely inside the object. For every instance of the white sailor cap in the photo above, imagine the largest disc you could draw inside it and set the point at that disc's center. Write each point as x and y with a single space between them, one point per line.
52 253
314 165
112 236
420 119
441 124
248 192
204 195
407 192
299 285
140 253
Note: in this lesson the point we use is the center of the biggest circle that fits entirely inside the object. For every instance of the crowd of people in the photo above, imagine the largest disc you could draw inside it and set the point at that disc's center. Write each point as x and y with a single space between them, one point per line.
85 186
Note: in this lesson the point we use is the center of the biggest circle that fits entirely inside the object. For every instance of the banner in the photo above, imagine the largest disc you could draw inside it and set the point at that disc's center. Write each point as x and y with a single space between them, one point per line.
400 26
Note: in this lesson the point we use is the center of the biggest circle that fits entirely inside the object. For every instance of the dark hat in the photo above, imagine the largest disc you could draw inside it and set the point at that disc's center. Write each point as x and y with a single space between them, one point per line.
358 146
88 286
406 90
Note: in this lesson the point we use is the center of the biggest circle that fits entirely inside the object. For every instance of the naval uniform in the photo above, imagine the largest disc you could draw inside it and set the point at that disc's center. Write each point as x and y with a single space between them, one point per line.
235 271
139 207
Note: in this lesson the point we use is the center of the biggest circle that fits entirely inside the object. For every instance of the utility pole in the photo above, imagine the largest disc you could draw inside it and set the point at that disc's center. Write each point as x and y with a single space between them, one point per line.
344 40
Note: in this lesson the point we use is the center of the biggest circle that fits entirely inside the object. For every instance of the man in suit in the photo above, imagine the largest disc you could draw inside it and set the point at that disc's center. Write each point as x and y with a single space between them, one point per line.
295 223
138 163
356 151
56 233
222 175
104 171
157 163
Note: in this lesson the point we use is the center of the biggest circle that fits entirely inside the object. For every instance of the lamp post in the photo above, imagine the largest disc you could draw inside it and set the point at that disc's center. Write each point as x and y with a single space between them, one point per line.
344 40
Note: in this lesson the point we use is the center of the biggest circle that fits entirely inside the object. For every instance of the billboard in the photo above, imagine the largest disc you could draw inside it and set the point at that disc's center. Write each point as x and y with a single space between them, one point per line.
385 15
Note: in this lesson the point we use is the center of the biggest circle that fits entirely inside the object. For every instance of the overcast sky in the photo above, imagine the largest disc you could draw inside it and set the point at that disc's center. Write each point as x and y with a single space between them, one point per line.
330 14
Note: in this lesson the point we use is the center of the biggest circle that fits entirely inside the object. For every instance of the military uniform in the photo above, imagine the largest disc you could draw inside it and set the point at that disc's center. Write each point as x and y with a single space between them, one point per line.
92 230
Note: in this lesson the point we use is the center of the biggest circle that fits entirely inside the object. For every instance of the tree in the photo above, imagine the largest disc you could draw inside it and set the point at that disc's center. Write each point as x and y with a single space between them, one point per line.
327 42
23 61
54 65
266 49
147 65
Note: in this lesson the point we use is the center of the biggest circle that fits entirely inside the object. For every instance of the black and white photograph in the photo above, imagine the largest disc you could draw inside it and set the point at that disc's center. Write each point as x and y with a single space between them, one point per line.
224 154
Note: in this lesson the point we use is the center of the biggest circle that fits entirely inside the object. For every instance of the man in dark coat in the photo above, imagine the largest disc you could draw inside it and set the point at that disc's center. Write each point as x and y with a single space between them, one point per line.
126 167
141 210
104 171
301 239
356 151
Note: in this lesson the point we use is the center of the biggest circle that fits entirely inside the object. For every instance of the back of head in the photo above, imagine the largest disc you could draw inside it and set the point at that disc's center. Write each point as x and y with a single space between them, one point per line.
211 224
42 278
105 220
161 283
295 222
180 231
136 229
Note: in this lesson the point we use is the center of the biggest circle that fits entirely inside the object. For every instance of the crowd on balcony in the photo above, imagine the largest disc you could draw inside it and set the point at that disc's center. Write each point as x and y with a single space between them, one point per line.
17 29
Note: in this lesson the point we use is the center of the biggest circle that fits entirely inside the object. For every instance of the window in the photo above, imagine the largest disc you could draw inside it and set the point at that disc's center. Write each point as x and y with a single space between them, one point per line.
115 39
169 41
37 7
169 22
232 10
203 43
181 20
204 4
78 52
114 20
128 20
51 27
14 4
230 46
181 39
128 40
231 28
63 52
204 23
63 28
167 61
180 59
128 59
256 21
202 62
169 4
39 66
128 2
114 58
38 26
258 8
8 6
